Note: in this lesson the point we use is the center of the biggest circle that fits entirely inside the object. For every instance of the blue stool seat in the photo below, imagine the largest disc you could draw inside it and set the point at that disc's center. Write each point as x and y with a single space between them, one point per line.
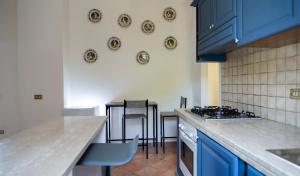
109 154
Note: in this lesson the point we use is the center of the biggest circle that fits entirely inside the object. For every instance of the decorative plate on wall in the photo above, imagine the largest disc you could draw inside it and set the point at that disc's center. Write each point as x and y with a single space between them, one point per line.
124 20
95 15
114 43
170 42
90 56
143 57
169 14
148 27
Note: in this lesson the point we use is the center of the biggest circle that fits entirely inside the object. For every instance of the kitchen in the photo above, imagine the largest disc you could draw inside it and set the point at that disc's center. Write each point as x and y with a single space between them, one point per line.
242 54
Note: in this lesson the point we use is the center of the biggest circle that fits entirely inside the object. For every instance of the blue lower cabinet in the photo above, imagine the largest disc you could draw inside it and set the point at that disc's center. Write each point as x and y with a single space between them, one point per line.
215 160
251 171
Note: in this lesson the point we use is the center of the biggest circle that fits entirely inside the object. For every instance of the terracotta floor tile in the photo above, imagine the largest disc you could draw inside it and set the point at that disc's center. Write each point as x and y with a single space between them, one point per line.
157 164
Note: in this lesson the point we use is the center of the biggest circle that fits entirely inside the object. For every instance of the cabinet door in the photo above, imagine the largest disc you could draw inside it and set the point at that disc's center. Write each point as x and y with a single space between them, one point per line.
204 17
224 10
251 171
215 160
258 19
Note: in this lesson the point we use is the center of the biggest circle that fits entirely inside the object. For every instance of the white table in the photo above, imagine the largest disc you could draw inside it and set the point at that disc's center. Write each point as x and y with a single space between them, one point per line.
50 149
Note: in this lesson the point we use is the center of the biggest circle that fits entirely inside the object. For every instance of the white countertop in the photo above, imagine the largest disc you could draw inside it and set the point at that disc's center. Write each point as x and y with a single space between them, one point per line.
50 149
249 139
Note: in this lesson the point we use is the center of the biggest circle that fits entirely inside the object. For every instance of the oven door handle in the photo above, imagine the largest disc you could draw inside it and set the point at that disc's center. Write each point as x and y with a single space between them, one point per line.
187 136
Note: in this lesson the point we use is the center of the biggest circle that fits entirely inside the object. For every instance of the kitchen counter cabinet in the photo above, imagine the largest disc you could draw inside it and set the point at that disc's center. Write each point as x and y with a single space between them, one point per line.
249 140
49 149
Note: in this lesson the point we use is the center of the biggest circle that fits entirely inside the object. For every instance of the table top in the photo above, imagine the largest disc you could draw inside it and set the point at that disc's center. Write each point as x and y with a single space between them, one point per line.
121 104
50 149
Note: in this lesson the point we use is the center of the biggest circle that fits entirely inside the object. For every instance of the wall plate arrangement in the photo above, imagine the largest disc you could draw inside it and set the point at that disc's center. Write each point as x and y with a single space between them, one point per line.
169 14
143 57
90 56
95 15
114 43
148 27
124 20
170 42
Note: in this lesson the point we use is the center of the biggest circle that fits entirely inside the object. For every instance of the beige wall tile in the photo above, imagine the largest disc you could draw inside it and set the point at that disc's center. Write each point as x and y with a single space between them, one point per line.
291 77
264 67
256 78
264 78
280 103
291 105
281 52
280 116
272 66
264 101
259 80
272 90
280 77
256 100
264 90
280 64
298 119
291 63
272 78
280 91
256 90
272 102
264 112
291 118
272 114
291 50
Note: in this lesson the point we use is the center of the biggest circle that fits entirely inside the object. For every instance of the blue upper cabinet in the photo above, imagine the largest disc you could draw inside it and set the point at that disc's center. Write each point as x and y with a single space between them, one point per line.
216 27
225 10
204 17
215 160
258 19
251 171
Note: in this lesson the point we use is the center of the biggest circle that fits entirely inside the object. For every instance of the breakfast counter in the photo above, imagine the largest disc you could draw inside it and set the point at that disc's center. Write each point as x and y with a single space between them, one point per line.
249 139
50 149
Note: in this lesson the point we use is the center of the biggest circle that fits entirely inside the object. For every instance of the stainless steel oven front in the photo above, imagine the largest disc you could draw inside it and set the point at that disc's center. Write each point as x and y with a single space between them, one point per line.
187 149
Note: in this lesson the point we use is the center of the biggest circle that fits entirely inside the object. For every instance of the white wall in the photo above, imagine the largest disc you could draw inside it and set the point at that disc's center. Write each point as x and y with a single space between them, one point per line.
116 75
40 63
8 66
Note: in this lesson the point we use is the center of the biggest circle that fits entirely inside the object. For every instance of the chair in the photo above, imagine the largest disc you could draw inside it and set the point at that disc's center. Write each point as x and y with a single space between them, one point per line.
134 105
163 116
109 155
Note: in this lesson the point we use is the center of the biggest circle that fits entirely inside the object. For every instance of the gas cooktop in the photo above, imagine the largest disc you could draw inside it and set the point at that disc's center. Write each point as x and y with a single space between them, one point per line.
223 112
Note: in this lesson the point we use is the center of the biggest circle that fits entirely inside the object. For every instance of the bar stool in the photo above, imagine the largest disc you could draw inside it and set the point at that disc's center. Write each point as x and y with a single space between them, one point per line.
143 106
109 155
163 116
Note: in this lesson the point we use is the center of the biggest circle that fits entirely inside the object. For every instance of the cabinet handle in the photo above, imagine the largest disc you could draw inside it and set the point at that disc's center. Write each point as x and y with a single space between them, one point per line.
212 26
236 40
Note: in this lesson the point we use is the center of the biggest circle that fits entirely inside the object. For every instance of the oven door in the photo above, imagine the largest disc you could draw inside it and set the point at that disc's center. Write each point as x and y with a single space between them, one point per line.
187 155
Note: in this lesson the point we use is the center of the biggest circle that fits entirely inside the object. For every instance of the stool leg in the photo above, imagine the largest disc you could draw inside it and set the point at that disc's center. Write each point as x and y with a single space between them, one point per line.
161 130
124 130
143 131
164 141
108 171
147 138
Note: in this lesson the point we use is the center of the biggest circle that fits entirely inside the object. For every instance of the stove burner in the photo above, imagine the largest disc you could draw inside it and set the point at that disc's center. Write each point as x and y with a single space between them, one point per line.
216 112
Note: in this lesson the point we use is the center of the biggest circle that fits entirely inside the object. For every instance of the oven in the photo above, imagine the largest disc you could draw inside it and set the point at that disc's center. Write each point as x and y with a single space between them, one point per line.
187 148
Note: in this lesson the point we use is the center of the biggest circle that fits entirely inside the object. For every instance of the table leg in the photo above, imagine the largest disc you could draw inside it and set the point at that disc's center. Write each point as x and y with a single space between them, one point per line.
109 125
106 127
156 119
153 126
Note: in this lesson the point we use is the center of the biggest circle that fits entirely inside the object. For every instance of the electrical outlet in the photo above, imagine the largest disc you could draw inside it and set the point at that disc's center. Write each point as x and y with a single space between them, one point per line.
1 131
38 97
295 93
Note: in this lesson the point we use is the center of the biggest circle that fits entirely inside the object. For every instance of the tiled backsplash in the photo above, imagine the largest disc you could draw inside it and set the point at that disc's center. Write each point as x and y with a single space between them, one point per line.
260 79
